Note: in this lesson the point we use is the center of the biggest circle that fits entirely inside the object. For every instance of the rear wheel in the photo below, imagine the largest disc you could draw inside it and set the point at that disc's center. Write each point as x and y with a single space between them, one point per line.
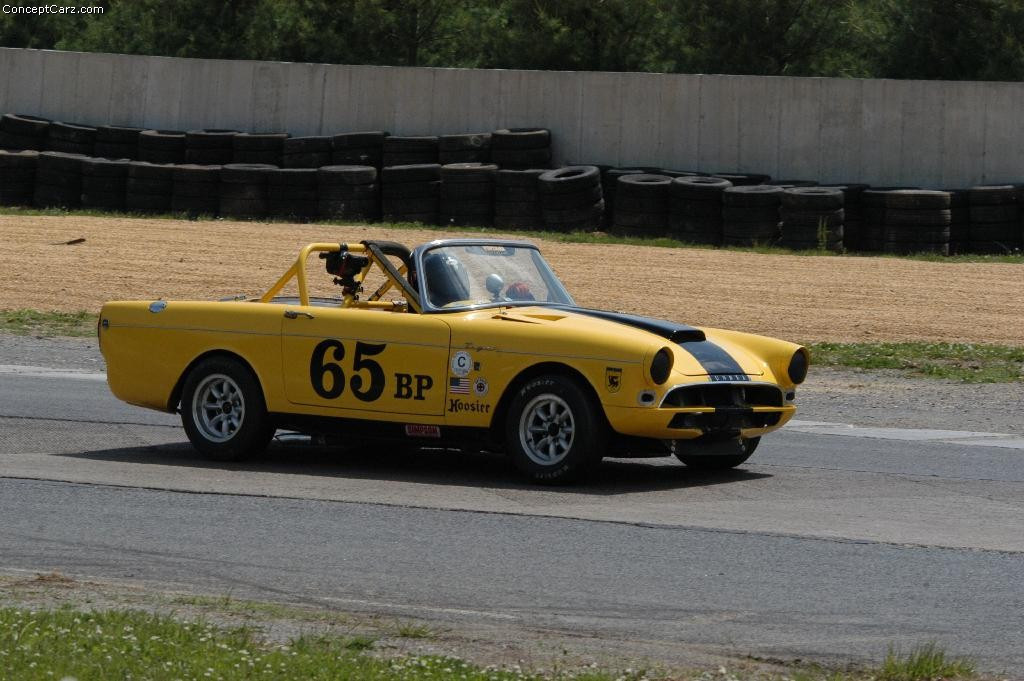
554 432
715 456
223 411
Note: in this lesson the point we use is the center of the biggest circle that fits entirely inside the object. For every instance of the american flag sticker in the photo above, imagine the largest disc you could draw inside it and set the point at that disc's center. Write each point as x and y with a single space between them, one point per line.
458 386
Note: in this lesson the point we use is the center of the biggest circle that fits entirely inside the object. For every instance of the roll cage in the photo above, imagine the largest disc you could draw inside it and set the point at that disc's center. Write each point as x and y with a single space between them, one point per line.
351 263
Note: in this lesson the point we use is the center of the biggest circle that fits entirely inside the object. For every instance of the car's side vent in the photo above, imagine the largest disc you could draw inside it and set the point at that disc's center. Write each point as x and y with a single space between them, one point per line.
724 395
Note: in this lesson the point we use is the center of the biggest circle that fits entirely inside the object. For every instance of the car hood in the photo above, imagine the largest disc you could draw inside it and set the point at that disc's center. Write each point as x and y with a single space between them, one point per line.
696 351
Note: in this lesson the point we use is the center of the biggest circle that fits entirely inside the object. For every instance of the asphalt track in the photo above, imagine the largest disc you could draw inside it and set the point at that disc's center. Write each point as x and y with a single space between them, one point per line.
834 542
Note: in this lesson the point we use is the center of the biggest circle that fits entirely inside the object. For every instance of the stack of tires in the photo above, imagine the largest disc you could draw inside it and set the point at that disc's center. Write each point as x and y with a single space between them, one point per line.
149 188
469 148
162 146
995 219
853 215
411 193
610 185
960 221
467 194
18 177
58 180
517 199
292 193
265 148
521 148
571 198
348 192
695 209
209 147
916 221
306 152
243 189
19 132
743 179
69 138
358 149
750 215
104 183
116 142
812 218
872 201
196 189
404 151
642 205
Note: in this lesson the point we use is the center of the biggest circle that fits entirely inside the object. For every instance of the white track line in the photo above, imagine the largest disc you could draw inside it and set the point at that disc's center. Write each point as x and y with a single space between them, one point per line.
49 372
956 437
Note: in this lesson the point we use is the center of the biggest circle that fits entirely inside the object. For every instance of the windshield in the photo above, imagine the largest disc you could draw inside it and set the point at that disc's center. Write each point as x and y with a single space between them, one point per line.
462 276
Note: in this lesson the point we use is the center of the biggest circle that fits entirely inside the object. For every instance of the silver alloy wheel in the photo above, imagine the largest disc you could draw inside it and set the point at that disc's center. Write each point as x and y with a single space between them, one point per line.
218 408
547 429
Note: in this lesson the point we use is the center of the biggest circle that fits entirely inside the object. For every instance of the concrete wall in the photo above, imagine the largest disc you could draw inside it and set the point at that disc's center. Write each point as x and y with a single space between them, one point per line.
934 134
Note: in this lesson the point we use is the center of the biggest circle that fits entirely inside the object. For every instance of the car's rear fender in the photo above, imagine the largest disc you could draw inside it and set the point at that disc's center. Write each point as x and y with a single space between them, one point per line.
175 398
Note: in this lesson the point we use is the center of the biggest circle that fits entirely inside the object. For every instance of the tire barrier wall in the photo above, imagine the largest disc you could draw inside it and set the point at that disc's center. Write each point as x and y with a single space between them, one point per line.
883 132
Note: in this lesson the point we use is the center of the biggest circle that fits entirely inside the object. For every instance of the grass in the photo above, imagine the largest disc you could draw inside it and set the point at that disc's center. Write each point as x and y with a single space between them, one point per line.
36 323
122 644
966 362
924 663
564 237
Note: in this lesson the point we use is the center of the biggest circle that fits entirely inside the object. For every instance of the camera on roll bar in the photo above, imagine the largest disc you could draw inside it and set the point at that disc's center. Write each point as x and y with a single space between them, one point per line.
345 266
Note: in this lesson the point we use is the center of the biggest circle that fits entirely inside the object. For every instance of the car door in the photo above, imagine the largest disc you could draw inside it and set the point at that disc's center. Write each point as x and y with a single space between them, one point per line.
353 362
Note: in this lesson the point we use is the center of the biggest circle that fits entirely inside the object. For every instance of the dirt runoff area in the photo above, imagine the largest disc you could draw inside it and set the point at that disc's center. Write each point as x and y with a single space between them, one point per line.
795 297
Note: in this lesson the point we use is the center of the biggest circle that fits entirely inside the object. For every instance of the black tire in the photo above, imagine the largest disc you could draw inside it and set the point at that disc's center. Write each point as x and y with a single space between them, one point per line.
917 199
520 139
828 218
715 456
710 210
894 216
27 126
267 141
358 157
1006 212
742 179
305 178
469 173
992 194
243 435
812 198
359 140
258 157
521 159
472 142
507 222
19 161
466 191
411 190
347 175
643 185
146 203
78 134
642 204
415 172
526 179
16 142
574 453
517 209
348 192
750 213
791 184
314 159
516 194
414 205
307 145
116 151
752 195
568 201
246 173
569 179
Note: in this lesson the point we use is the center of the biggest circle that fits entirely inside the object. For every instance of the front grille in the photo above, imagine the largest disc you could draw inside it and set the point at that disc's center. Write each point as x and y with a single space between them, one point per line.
724 395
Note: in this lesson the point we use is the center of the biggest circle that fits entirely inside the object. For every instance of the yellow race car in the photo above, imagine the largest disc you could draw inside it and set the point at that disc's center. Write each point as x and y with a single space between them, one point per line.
469 342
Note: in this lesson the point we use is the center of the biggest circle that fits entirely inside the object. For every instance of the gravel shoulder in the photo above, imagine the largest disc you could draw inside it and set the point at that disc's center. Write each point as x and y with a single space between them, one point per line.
882 399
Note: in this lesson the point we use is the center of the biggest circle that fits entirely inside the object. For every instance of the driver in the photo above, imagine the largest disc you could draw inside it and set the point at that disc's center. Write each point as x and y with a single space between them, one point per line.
519 290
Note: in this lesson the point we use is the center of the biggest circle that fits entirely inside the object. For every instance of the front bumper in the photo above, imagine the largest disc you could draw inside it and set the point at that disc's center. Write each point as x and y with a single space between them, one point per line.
687 423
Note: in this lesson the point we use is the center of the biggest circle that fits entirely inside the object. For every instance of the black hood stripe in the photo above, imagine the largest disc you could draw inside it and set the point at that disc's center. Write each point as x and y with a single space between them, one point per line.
713 358
677 333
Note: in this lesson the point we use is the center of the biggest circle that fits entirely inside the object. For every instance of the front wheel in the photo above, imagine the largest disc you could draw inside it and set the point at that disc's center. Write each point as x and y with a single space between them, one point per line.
555 432
223 411
715 456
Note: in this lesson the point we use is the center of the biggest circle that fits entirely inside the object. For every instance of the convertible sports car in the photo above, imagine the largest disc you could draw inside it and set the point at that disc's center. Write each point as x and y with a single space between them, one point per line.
469 342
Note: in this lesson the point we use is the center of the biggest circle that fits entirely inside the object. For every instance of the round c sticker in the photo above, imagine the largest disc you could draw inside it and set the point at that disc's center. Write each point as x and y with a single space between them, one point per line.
462 362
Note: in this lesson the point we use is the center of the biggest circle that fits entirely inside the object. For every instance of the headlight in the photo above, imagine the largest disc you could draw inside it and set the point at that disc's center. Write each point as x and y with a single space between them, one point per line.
661 366
798 366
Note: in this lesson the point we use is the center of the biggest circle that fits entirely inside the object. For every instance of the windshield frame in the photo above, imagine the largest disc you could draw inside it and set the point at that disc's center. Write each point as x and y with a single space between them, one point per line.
544 269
